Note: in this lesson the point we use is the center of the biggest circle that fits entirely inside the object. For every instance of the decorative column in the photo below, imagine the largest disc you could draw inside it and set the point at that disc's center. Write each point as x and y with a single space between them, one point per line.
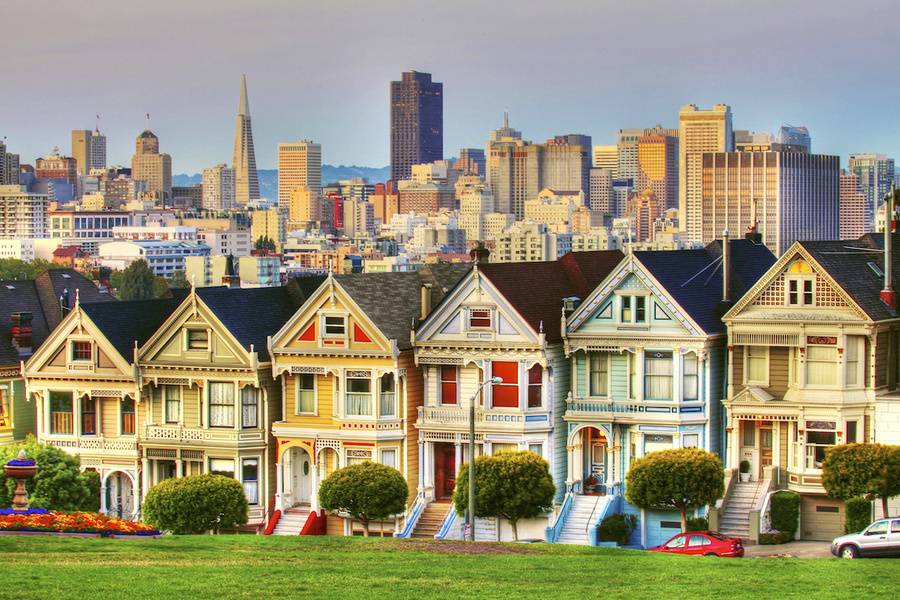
145 477
179 468
421 489
135 496
458 458
314 488
237 406
279 485
104 484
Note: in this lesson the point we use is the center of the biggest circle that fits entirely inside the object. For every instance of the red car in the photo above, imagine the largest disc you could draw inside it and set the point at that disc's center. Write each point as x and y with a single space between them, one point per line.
703 543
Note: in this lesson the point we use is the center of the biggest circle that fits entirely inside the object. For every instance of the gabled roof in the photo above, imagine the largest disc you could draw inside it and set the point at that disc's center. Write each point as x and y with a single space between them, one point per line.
693 278
53 283
536 289
126 322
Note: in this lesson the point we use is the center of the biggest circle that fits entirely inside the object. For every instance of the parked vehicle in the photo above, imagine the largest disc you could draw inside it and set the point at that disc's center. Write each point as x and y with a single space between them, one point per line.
703 543
881 538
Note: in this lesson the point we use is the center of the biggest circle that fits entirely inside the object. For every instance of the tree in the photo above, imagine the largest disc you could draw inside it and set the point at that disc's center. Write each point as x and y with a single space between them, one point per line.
60 484
512 485
13 268
868 470
161 287
196 504
265 243
136 282
367 492
682 479
178 281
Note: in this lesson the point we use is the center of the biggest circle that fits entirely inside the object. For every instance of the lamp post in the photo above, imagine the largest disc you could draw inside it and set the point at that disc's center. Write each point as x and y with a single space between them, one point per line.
470 520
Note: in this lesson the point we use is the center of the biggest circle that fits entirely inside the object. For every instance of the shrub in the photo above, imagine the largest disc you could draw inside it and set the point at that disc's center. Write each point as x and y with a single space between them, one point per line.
683 479
784 511
512 485
60 484
698 524
617 528
868 470
857 514
367 492
775 537
196 504
745 466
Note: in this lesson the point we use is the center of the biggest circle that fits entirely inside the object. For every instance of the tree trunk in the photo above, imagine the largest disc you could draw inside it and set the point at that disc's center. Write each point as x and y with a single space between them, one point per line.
365 524
683 521
884 506
515 529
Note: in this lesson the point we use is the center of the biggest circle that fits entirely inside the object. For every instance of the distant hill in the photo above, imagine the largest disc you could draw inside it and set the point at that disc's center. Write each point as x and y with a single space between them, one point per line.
268 178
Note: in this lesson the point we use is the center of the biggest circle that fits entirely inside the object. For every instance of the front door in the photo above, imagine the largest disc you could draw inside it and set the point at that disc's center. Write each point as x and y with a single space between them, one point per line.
765 447
119 495
444 470
301 477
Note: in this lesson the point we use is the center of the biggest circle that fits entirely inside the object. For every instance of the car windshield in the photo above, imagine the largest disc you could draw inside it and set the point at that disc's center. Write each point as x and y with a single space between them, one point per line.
878 527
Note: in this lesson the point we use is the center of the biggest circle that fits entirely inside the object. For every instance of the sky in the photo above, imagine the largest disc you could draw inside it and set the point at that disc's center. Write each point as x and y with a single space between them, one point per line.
321 69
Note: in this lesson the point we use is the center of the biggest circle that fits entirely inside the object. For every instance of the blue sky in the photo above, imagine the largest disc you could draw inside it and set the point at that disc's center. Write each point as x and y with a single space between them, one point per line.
320 70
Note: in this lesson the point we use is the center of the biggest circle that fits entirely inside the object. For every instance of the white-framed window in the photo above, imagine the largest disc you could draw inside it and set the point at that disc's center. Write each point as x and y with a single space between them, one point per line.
632 376
359 394
633 309
127 421
480 318
537 448
658 375
197 339
690 440
851 356
222 466
756 367
221 405
172 403
334 326
598 365
81 351
821 365
654 442
389 457
250 479
497 448
448 386
690 377
820 435
249 407
800 291
387 396
306 394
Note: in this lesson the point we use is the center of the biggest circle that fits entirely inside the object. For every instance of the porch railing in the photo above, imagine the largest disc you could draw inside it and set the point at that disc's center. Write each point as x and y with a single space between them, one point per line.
624 407
555 530
412 517
61 422
459 417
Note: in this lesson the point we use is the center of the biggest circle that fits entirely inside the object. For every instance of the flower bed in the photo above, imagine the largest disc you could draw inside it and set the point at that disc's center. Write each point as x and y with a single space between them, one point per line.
78 522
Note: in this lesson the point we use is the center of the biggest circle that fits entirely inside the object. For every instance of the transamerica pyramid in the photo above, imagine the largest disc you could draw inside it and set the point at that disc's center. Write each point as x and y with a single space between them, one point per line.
246 182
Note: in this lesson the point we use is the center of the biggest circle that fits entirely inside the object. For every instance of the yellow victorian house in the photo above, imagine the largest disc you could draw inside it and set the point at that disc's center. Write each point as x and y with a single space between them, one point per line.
350 386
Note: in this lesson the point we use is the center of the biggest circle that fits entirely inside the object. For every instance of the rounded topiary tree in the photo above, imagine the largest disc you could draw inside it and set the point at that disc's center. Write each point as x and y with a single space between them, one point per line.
367 492
868 470
60 484
512 485
683 479
196 504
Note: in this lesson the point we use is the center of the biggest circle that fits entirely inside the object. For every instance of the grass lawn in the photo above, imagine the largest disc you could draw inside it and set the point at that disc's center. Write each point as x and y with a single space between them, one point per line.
228 566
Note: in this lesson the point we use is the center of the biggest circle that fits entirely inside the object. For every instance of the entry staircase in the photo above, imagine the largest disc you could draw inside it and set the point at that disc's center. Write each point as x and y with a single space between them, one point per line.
432 517
580 520
292 520
735 519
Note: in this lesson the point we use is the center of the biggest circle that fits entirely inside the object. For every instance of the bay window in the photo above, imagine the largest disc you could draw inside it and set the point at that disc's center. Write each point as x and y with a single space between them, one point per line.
535 385
757 365
449 385
655 443
249 407
222 466
61 413
127 408
389 458
221 404
658 375
820 435
359 394
250 479
172 400
821 365
598 365
690 377
387 400
851 356
505 394
306 394
88 416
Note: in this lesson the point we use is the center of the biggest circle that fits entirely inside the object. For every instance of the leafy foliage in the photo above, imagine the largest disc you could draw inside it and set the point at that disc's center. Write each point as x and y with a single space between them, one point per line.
512 485
13 268
698 524
178 281
784 512
857 514
617 528
367 492
196 504
776 537
265 243
136 282
60 484
867 470
744 467
681 479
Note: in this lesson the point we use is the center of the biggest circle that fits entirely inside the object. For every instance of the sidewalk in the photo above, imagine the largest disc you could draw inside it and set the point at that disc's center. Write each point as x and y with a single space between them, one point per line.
801 549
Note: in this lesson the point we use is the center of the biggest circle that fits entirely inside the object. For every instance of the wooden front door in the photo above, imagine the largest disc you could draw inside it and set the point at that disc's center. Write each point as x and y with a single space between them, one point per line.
444 470
765 446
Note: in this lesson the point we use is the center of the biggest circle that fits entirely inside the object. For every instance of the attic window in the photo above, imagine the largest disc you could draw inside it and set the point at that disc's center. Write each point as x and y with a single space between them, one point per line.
81 351
197 339
479 318
876 269
335 327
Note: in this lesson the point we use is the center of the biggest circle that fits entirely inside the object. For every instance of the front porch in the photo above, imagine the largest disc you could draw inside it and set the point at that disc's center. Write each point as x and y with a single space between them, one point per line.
592 461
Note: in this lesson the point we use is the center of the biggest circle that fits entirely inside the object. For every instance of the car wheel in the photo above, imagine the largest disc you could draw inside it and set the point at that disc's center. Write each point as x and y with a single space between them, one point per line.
710 554
849 552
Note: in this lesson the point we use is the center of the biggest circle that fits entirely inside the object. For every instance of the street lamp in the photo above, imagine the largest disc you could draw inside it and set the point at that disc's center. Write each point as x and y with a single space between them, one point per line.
470 519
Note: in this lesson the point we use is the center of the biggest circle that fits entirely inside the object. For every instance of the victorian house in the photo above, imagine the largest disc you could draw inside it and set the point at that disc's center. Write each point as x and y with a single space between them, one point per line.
503 321
647 349
350 386
813 362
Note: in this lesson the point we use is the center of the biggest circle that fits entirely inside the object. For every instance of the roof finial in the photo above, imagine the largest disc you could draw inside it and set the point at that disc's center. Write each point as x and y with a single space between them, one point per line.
541 326
77 298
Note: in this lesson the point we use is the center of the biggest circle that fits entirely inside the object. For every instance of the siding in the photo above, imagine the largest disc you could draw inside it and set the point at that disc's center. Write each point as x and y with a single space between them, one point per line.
783 445
882 341
414 399
737 368
619 373
109 416
778 370
560 381
190 398
581 375
24 413
716 372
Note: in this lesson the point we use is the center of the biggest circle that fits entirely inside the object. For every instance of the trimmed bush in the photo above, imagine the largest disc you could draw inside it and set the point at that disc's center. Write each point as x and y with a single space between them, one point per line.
868 470
784 511
698 524
775 537
367 492
617 528
857 514
745 466
196 504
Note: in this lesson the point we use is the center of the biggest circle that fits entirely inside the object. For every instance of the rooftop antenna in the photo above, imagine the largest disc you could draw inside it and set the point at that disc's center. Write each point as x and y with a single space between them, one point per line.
506 119
97 124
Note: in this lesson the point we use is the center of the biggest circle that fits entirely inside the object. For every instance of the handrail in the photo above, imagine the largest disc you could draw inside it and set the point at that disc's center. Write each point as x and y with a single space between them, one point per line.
315 523
552 532
264 524
412 518
272 523
446 524
593 510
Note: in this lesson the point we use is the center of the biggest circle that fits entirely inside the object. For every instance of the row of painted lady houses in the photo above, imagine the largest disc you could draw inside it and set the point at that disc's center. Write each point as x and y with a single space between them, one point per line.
604 357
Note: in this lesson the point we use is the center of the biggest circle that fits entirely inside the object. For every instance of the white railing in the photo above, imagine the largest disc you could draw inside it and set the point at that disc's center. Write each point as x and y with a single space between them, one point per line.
121 447
191 435
606 408
457 417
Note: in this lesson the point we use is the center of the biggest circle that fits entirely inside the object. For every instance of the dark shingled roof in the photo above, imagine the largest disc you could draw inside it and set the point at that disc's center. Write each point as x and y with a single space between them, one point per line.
393 301
536 289
848 263
52 285
693 278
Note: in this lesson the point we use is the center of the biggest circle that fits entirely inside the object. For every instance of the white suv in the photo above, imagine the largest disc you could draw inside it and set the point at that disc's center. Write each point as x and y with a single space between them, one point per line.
881 538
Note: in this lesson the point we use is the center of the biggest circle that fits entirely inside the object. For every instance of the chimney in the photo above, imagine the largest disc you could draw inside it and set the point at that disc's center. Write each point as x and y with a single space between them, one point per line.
231 279
21 332
726 267
888 296
426 300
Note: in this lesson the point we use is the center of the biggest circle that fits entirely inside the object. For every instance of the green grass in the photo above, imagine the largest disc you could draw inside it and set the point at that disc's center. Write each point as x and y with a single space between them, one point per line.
255 567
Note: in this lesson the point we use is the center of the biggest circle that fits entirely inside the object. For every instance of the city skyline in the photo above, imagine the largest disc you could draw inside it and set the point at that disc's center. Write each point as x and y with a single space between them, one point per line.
633 86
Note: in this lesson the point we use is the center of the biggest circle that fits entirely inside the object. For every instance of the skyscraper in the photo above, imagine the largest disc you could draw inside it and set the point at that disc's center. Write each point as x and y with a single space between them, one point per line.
246 182
151 167
853 207
511 169
794 136
876 174
658 168
566 163
471 161
601 197
88 150
299 165
218 188
9 166
699 131
417 122
627 146
607 157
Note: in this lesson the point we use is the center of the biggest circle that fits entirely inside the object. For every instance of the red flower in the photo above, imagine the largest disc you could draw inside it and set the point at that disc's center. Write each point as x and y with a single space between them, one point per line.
79 522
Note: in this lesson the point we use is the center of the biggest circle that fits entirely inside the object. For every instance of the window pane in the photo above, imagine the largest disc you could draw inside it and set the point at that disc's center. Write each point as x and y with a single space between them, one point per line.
640 310
535 379
821 365
250 479
658 376
448 384
128 416
221 466
690 378
306 393
389 458
506 394
221 405
172 399
599 375
249 406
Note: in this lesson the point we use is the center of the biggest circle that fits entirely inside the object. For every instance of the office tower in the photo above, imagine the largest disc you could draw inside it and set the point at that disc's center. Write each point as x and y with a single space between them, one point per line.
385 200
475 203
417 122
151 167
9 166
304 207
790 135
56 166
607 157
643 210
512 169
876 174
218 188
271 224
627 152
699 131
88 150
622 190
22 215
600 195
566 163
787 196
355 188
299 164
187 197
853 207
243 161
471 162
658 168
425 197
359 218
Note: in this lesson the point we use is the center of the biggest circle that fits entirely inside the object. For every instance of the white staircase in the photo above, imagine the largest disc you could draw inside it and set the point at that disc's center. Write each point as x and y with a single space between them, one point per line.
292 520
580 519
735 519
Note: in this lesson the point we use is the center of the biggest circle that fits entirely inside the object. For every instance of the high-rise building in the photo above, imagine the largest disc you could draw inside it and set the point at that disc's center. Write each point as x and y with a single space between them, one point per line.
359 218
471 162
607 157
425 197
385 200
876 174
643 210
218 188
786 196
304 207
791 135
22 215
56 166
475 203
417 122
151 167
658 168
627 152
853 207
600 195
512 169
88 150
699 131
299 164
186 197
271 224
566 163
9 166
243 161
